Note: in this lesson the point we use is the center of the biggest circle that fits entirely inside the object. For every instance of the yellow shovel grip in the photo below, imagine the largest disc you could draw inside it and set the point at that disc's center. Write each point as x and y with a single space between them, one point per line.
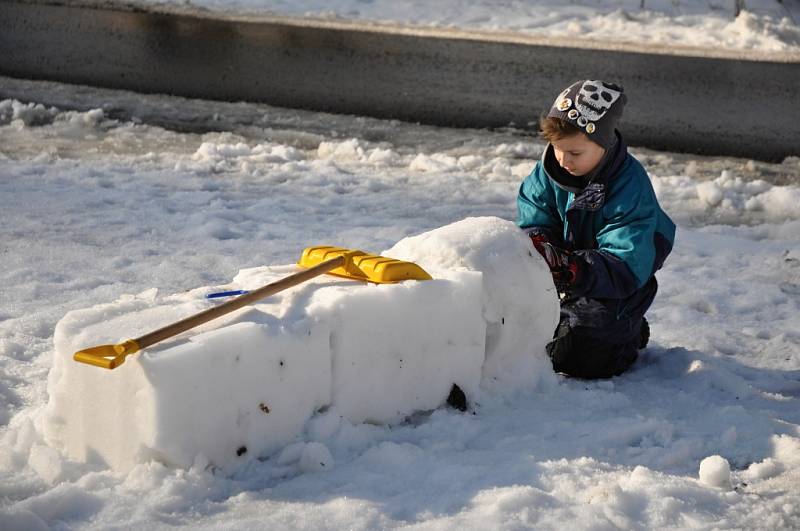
107 356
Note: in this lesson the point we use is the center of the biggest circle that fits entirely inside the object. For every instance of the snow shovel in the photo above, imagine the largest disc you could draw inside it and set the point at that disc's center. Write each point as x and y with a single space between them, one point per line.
318 261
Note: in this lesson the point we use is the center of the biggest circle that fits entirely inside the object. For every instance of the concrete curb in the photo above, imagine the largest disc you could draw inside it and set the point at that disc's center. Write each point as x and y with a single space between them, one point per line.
723 103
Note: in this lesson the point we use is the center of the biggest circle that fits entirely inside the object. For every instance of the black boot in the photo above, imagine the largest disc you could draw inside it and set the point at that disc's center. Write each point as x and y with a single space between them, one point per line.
645 334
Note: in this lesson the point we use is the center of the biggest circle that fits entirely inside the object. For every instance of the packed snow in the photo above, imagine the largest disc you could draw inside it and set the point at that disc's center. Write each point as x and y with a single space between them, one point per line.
715 471
124 223
765 25
371 353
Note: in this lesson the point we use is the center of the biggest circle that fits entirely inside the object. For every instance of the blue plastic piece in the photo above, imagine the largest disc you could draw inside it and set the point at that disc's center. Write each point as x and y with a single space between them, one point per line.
226 294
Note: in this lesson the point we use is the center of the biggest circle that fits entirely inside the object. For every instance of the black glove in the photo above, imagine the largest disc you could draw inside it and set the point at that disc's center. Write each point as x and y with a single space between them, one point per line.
563 264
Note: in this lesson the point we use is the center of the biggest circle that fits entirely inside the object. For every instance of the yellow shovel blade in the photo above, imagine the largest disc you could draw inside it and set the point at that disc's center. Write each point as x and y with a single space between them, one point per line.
363 266
106 356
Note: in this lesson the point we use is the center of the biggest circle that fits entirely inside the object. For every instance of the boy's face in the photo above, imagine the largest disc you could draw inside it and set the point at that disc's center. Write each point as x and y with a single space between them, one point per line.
577 154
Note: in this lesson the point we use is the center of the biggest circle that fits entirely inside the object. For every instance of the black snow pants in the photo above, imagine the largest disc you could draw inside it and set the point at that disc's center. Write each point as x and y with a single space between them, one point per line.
600 338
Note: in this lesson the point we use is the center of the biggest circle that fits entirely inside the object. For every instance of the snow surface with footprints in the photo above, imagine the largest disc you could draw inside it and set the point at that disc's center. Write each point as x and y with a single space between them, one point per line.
703 432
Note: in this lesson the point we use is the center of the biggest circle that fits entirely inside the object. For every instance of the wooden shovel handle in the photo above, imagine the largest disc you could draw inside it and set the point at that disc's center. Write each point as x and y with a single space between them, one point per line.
205 316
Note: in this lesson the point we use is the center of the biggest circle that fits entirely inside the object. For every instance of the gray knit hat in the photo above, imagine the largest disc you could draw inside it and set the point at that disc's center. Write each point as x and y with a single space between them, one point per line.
592 106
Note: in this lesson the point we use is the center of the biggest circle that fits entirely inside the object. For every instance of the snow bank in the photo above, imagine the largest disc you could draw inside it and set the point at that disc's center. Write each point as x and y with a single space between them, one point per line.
728 198
762 25
245 385
21 115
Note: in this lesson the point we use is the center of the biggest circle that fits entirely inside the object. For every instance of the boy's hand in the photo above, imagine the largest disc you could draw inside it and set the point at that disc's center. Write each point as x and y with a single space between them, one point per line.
562 263
566 277
539 240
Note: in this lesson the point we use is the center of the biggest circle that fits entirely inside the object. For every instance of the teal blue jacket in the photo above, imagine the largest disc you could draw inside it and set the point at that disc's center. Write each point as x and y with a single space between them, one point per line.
614 225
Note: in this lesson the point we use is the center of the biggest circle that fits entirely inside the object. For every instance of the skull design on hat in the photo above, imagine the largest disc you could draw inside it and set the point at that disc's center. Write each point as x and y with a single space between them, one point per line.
594 107
595 98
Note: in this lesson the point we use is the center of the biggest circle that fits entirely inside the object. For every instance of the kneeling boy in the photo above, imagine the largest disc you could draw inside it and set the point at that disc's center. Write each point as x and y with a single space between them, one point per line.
591 212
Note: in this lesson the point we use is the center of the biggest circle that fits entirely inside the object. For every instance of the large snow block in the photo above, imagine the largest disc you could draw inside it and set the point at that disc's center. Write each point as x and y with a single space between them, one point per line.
245 385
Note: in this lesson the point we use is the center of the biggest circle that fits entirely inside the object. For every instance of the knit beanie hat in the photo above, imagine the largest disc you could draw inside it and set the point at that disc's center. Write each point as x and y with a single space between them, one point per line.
592 106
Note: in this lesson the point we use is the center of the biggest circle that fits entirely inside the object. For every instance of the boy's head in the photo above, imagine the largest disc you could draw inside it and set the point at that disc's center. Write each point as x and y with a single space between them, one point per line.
581 124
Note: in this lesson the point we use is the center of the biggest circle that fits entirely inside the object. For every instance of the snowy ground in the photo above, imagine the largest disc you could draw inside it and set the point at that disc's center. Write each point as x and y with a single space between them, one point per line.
767 25
94 208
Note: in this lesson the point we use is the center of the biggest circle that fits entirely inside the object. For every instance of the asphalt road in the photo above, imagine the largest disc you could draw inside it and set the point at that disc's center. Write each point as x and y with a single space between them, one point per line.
705 102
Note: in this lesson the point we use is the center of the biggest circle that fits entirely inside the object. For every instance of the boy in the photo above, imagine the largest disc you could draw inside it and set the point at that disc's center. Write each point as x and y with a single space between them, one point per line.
591 212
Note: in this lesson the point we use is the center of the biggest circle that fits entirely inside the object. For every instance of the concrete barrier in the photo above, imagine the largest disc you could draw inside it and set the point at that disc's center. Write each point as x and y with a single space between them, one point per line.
697 101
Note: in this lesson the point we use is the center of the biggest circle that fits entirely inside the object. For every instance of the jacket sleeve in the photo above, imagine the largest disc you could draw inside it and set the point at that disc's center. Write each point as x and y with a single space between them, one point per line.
624 259
536 205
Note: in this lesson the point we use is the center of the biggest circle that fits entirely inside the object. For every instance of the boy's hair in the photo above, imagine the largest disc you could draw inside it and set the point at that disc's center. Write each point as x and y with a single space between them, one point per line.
556 129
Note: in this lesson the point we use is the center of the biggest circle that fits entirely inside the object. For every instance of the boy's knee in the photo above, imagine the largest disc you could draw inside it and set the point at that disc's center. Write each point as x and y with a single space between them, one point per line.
575 352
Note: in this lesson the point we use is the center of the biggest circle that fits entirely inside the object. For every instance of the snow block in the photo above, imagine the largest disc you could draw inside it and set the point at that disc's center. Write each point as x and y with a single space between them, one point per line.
520 303
245 385
397 349
222 394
